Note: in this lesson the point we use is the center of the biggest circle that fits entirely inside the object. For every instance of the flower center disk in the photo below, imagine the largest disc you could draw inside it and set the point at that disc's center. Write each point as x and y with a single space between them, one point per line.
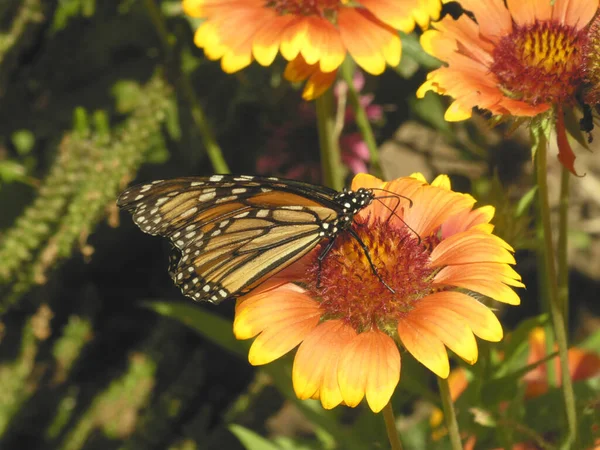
321 8
350 291
540 63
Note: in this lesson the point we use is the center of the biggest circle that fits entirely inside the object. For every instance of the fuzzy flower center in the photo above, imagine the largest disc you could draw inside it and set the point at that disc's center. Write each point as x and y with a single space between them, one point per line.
321 8
540 63
350 291
592 63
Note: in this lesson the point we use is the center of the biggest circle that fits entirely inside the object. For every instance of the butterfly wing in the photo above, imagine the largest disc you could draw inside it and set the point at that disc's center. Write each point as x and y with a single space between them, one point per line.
231 233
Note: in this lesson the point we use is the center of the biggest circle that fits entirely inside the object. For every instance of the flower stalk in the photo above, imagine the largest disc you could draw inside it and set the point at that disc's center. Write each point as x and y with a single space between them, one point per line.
390 427
449 413
362 121
331 161
563 241
213 149
540 141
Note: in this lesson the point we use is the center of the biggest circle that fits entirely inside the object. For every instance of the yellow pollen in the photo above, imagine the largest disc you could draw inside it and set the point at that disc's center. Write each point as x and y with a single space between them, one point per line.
540 63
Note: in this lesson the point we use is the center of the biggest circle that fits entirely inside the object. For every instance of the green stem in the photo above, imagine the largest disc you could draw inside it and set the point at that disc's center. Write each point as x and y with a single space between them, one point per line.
556 309
449 414
362 121
390 426
563 240
331 162
210 143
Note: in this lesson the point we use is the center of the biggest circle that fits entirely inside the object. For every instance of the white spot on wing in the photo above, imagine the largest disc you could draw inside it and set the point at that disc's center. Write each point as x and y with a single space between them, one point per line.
207 196
188 212
216 178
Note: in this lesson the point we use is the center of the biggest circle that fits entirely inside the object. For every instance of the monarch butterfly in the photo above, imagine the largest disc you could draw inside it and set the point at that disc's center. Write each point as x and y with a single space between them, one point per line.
230 233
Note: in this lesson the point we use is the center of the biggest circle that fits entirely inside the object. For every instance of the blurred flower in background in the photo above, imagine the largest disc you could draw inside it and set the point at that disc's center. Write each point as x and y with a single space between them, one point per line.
517 60
292 150
314 36
583 365
435 253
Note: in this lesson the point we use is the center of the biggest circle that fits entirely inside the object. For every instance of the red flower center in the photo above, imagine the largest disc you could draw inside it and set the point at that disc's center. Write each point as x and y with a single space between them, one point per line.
540 63
322 8
348 288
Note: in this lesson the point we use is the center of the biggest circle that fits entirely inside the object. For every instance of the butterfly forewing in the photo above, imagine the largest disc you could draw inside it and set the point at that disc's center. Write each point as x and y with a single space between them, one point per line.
230 233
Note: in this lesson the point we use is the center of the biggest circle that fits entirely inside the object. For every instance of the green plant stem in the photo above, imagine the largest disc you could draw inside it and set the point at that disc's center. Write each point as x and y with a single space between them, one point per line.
563 241
185 85
331 162
390 426
449 414
362 121
556 309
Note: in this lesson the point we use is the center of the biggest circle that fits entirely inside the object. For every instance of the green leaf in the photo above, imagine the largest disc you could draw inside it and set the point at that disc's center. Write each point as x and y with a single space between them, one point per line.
431 109
541 126
592 342
525 202
209 325
412 48
251 440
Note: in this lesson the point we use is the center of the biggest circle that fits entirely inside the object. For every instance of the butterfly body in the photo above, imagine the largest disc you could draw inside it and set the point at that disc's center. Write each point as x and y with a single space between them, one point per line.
230 233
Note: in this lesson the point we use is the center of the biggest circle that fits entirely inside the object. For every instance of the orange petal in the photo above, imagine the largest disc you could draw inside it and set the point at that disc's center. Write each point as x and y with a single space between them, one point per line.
369 365
293 38
403 15
317 84
574 13
323 45
465 220
480 319
369 41
298 70
527 13
447 326
425 346
489 279
471 246
266 41
280 338
264 310
207 38
432 206
566 156
314 374
492 16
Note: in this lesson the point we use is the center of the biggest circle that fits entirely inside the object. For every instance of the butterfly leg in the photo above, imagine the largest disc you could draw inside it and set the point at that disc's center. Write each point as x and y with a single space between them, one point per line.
366 250
321 257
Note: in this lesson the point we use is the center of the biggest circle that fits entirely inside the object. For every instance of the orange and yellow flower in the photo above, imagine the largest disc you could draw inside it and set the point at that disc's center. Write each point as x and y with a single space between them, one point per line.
518 59
314 35
437 256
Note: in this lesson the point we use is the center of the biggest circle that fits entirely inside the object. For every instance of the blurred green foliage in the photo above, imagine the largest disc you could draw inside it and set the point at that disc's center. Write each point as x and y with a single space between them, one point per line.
97 353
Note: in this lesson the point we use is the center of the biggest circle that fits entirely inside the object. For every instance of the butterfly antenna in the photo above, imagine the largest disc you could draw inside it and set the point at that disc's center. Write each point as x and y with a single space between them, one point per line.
393 212
366 251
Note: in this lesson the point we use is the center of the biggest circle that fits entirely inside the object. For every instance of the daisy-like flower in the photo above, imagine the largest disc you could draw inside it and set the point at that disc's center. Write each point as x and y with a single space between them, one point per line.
438 255
516 59
314 35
